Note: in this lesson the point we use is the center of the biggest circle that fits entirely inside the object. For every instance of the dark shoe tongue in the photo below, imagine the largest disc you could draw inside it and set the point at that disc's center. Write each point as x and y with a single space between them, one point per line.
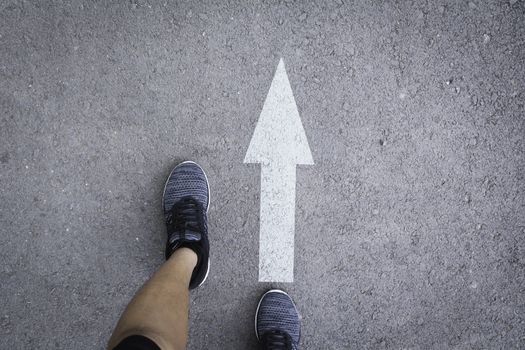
191 235
276 340
187 234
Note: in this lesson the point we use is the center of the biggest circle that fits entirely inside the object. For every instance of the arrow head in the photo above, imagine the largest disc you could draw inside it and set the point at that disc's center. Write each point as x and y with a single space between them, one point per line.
279 136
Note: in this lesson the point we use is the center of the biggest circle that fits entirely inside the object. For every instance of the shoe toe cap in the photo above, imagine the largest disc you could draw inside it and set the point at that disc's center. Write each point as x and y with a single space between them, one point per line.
277 311
186 179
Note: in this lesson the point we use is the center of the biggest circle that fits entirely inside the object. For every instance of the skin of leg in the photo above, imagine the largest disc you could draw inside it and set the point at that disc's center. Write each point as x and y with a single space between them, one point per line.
159 310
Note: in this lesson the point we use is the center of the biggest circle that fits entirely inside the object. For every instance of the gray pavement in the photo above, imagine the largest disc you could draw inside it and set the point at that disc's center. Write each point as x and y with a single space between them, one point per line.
409 227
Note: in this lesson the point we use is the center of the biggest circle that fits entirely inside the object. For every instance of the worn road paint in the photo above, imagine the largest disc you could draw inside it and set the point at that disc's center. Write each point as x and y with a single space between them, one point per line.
278 144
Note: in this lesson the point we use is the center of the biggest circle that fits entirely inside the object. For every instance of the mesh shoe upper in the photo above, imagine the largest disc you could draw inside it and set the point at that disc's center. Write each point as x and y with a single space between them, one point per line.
277 314
186 180
185 202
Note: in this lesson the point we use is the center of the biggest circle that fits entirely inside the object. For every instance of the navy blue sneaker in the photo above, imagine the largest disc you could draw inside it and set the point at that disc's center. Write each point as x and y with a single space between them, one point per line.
277 324
186 199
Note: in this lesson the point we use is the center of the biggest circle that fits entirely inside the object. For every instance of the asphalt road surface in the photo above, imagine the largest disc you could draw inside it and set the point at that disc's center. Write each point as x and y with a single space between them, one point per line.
409 226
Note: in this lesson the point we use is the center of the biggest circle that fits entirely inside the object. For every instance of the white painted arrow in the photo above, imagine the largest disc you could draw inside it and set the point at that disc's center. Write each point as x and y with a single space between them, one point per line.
278 144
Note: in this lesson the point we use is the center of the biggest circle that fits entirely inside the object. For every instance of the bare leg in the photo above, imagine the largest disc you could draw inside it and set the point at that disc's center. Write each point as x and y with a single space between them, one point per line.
159 310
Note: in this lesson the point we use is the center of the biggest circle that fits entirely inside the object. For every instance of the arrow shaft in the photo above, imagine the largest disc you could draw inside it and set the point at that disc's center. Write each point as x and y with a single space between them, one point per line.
277 223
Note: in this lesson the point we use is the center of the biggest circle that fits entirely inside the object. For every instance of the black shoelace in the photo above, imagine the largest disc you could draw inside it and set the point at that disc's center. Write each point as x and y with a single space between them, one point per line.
186 214
276 340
